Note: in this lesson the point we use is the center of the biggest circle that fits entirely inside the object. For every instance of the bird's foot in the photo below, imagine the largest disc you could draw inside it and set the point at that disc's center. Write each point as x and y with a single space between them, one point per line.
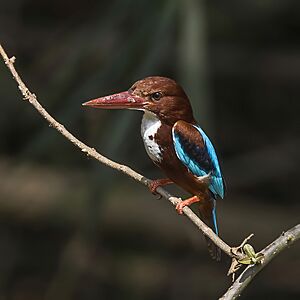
154 184
187 202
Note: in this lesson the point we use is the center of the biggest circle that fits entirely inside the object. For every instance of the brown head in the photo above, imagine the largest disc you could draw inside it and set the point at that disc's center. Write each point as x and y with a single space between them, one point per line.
159 95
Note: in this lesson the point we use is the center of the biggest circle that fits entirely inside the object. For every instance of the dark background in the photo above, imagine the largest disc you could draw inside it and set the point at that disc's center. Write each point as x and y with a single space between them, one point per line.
73 229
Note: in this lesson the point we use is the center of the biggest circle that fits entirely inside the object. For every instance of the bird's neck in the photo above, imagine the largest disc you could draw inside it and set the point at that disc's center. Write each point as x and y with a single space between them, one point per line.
149 129
150 120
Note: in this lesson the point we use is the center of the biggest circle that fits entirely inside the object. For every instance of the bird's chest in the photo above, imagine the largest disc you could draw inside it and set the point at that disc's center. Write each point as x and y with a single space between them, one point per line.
149 129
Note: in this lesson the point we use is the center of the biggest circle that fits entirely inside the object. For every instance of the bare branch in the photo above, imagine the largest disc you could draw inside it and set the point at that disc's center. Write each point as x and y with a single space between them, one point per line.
285 240
32 99
281 243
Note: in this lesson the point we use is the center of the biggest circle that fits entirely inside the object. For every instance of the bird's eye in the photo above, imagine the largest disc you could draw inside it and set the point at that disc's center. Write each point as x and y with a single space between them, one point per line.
156 96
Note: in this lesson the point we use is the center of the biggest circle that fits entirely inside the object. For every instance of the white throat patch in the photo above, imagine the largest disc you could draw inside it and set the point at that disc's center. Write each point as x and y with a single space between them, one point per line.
150 125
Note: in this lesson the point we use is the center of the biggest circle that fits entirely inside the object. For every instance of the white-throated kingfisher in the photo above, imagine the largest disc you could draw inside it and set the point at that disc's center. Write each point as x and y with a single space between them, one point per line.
175 143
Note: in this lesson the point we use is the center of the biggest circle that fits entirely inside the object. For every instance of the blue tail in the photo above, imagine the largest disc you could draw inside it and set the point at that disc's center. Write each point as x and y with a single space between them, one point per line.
209 217
214 216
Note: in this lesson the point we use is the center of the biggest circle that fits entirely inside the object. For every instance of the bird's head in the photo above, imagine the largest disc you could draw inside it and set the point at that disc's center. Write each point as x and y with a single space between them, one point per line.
159 95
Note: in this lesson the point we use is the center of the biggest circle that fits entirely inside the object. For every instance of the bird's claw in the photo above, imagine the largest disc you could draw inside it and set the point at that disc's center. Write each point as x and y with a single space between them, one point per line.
158 196
179 207
154 184
182 204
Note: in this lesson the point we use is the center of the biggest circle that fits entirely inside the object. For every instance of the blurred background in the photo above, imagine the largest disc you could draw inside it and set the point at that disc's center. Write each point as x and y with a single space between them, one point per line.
74 229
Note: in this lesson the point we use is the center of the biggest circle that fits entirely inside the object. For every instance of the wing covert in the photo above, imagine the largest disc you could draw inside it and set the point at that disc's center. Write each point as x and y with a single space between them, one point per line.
196 152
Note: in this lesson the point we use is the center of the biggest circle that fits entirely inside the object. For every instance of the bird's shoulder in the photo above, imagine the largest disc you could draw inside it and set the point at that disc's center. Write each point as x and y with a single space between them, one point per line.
188 133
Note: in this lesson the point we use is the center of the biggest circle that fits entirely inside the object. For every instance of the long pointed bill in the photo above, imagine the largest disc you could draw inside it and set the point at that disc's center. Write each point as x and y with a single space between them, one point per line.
117 101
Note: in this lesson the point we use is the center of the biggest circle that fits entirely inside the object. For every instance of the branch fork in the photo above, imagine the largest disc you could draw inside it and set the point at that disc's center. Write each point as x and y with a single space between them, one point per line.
244 254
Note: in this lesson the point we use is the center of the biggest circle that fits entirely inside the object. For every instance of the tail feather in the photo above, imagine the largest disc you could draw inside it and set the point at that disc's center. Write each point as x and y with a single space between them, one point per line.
209 217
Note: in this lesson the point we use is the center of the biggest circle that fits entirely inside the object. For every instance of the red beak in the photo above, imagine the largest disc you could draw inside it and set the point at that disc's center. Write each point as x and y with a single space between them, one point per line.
116 101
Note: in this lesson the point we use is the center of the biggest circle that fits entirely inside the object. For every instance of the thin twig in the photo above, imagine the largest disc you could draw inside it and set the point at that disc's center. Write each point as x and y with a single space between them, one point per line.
285 240
32 99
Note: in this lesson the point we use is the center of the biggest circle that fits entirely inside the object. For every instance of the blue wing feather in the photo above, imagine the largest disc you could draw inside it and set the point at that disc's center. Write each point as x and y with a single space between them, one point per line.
204 160
217 186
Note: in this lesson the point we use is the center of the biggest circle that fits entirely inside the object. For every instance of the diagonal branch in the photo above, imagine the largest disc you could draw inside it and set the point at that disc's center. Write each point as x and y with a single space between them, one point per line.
32 99
285 240
281 243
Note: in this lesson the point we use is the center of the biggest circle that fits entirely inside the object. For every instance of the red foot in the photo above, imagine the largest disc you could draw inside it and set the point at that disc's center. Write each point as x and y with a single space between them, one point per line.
187 202
153 185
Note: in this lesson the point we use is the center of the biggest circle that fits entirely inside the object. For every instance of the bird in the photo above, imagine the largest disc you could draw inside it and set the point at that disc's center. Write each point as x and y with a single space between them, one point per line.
175 143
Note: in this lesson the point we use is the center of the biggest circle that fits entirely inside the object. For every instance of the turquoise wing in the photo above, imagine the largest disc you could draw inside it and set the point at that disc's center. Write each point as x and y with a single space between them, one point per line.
197 153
